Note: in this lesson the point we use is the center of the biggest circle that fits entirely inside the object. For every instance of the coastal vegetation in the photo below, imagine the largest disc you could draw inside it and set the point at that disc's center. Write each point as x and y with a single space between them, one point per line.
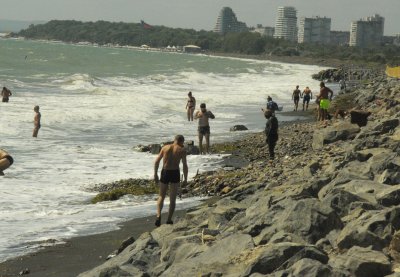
115 190
247 43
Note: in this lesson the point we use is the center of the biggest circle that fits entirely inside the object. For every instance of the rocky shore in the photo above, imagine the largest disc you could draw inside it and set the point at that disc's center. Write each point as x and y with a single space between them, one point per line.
328 206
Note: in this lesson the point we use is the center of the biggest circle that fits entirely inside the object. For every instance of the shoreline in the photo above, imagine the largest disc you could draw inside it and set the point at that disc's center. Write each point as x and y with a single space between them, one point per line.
88 251
334 63
81 253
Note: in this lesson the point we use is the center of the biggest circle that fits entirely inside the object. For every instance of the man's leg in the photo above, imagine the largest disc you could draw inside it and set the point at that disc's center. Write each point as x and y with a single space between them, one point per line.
160 202
207 143
173 190
201 143
188 111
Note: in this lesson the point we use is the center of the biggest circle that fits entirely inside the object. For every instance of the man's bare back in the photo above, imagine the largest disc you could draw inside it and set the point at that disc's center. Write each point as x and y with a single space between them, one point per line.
172 156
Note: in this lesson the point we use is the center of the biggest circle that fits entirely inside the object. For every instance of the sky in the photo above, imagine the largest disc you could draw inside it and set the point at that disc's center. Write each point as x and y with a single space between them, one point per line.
201 14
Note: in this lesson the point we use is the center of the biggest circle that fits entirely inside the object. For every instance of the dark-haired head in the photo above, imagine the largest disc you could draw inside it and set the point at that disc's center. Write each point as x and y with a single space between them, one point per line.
180 139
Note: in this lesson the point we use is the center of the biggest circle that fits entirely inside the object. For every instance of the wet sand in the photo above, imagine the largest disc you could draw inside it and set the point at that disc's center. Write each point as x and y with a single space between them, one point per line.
79 254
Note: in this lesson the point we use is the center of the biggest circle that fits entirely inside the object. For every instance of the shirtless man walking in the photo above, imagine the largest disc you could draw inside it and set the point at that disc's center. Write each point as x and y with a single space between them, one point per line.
296 98
36 121
204 126
307 96
172 155
5 161
324 100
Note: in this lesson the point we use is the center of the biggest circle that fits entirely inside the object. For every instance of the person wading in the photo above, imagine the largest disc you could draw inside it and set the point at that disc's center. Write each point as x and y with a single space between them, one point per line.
5 161
190 106
172 155
204 127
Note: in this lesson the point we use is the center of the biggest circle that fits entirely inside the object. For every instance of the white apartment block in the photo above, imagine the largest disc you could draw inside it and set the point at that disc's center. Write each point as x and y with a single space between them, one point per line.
286 23
314 30
367 32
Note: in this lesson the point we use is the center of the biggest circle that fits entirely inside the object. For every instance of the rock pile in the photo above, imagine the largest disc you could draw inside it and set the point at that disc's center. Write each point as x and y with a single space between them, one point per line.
329 206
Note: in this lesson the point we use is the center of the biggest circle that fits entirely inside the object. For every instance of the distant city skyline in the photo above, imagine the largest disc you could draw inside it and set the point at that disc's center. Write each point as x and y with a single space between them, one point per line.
201 14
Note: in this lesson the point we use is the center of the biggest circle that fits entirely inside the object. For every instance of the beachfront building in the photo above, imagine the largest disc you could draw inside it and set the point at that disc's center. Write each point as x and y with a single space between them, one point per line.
367 32
314 30
228 23
264 31
286 23
339 38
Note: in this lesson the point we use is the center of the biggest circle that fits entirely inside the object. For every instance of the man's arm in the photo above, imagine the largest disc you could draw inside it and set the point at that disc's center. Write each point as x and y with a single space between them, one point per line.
197 115
185 167
210 115
157 164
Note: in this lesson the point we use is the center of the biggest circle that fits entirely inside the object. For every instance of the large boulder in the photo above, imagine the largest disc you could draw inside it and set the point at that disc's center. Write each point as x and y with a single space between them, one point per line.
238 128
372 228
271 257
362 262
214 260
341 131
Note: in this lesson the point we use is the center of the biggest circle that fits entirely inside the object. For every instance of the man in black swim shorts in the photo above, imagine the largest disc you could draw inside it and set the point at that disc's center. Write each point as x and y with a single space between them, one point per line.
172 155
204 127
296 98
5 161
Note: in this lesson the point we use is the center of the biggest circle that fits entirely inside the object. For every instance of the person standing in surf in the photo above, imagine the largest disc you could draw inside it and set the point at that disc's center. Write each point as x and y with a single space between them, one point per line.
172 155
5 94
204 127
5 161
36 121
190 106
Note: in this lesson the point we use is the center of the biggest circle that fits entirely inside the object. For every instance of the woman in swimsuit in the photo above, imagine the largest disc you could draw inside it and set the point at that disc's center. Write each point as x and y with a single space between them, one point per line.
5 161
190 106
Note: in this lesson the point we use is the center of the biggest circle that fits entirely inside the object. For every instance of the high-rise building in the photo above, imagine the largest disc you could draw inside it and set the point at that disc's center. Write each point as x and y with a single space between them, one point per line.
286 24
314 30
228 23
367 32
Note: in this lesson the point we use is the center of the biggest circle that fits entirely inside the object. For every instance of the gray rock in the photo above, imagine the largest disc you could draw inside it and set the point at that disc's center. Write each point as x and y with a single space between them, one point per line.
386 125
342 131
361 262
238 128
155 148
371 228
389 177
389 197
271 257
310 268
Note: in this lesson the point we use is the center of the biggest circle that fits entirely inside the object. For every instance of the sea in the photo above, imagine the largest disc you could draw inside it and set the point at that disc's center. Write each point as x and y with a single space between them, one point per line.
97 104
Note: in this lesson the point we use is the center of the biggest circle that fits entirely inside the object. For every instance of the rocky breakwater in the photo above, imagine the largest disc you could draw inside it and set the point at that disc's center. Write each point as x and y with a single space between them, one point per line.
328 206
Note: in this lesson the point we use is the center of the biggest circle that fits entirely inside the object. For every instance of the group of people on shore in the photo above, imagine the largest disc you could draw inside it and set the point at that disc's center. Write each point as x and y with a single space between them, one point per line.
322 100
306 95
5 159
173 154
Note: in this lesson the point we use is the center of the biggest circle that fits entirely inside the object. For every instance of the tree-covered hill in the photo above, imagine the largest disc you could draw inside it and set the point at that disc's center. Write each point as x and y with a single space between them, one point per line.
249 43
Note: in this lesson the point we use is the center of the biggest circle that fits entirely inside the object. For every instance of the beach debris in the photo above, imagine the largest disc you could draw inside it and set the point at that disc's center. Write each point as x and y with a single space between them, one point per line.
24 271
